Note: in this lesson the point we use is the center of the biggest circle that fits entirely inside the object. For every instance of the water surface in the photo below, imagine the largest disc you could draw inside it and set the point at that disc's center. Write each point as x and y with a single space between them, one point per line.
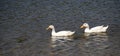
23 27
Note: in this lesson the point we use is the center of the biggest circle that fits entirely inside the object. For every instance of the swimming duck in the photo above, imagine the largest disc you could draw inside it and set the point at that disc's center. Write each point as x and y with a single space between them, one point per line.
94 29
60 33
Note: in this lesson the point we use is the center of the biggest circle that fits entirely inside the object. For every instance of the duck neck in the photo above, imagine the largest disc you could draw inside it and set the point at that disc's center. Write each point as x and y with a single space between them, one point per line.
87 29
53 31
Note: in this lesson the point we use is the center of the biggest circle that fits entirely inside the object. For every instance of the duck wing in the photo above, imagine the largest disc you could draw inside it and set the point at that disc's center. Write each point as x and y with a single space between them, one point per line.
64 32
96 28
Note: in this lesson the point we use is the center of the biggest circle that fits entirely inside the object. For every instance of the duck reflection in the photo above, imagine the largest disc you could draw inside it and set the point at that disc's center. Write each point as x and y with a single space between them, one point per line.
95 42
59 38
99 40
60 44
60 41
95 34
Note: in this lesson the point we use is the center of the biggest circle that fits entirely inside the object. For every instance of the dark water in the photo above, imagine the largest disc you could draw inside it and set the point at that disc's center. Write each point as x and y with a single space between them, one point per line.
23 27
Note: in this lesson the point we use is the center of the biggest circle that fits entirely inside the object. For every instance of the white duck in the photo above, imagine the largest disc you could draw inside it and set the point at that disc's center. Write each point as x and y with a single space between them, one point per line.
96 29
60 33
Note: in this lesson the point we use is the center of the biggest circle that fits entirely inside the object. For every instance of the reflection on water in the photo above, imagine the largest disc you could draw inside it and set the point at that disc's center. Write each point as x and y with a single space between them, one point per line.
96 34
91 45
60 44
56 38
95 43
99 40
57 41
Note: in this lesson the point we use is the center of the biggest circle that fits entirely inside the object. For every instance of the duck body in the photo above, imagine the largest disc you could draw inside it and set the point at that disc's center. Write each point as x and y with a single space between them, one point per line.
60 33
63 33
96 29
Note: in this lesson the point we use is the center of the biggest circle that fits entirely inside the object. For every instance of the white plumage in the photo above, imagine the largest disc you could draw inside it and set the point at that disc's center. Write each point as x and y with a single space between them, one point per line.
94 29
60 33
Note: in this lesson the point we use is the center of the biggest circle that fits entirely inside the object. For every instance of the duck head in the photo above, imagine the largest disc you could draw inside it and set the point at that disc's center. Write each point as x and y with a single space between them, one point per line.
85 25
50 27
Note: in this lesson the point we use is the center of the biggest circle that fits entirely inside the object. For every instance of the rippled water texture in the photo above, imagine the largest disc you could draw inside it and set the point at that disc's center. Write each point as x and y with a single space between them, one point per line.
23 26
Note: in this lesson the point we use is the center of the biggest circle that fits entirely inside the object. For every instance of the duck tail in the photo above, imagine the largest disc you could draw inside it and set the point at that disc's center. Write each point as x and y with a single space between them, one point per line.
73 32
105 28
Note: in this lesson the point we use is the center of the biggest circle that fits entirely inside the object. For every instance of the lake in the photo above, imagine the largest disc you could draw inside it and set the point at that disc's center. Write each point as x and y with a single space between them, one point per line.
23 26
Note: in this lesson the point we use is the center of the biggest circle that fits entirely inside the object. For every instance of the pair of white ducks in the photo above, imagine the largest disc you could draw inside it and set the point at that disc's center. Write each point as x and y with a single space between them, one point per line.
96 29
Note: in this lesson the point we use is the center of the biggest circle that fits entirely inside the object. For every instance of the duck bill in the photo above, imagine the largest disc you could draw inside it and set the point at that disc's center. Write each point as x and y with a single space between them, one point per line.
81 26
47 28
